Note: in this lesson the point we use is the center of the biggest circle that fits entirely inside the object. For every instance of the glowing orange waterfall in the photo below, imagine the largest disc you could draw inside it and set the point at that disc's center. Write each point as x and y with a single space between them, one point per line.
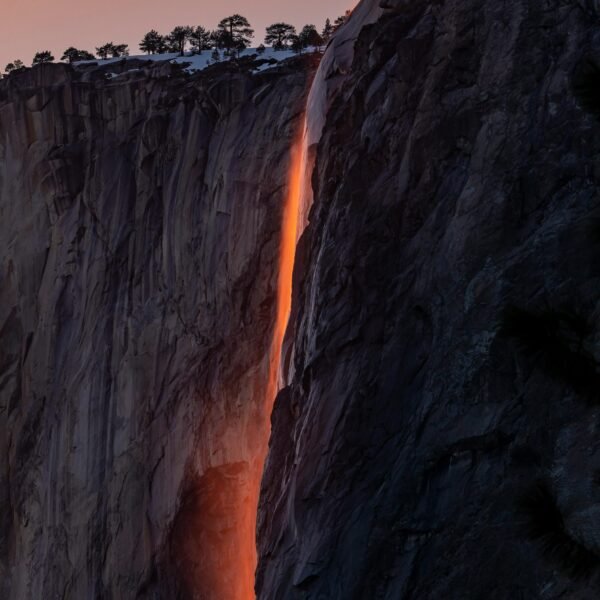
214 535
244 497
287 254
214 540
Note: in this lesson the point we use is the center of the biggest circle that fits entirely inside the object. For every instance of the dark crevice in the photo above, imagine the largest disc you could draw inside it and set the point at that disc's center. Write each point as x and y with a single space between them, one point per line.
543 522
558 341
586 86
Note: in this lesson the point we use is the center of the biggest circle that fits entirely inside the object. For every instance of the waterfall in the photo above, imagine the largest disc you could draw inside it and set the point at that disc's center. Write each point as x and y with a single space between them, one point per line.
328 80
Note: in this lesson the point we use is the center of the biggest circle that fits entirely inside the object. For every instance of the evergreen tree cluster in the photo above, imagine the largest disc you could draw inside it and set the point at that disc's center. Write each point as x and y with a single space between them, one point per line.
232 35
282 36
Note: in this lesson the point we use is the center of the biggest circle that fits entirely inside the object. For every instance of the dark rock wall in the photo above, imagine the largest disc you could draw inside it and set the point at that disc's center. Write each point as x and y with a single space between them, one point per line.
438 438
139 231
447 337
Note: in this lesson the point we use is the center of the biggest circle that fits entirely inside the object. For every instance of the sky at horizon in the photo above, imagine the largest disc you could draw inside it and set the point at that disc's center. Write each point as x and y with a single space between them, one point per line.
28 26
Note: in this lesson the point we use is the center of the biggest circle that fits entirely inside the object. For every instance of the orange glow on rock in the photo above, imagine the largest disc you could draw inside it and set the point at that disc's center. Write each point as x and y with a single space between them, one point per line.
213 538
287 255
213 535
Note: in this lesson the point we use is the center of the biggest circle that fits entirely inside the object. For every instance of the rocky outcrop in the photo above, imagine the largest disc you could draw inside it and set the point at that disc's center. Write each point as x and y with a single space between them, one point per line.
439 436
140 217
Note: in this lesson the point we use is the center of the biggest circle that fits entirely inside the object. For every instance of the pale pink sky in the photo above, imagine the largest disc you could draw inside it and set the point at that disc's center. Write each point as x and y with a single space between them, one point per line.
27 26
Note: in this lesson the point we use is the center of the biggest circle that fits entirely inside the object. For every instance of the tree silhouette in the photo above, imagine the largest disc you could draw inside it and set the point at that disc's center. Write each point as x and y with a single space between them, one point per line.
340 20
201 39
104 51
179 37
112 50
234 33
152 42
216 38
327 31
72 55
309 36
120 50
16 65
43 57
279 35
163 45
296 44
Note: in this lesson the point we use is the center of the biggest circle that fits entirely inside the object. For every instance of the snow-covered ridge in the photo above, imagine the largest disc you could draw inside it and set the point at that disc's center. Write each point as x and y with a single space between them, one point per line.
198 62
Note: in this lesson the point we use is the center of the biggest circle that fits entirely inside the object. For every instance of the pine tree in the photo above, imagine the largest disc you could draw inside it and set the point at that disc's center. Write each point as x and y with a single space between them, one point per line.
163 45
152 42
43 57
327 31
112 50
296 44
119 50
235 33
340 20
279 35
309 36
105 50
179 37
222 40
16 65
72 55
201 39
215 38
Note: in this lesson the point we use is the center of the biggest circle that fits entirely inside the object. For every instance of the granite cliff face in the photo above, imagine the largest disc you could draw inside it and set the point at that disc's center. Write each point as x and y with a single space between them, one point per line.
439 436
139 230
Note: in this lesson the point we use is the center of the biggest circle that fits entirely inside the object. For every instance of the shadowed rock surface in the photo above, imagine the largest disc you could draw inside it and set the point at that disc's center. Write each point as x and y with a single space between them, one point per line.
446 339
139 232
439 434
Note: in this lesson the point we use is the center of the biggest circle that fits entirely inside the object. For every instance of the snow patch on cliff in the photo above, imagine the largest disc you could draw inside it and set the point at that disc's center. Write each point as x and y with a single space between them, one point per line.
199 62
